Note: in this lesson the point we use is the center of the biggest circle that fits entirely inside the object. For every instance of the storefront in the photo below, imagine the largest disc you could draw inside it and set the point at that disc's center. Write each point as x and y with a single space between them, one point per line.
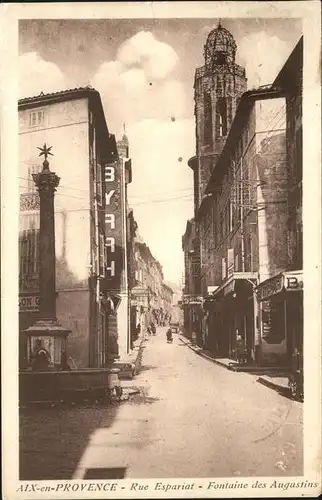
193 318
281 313
231 313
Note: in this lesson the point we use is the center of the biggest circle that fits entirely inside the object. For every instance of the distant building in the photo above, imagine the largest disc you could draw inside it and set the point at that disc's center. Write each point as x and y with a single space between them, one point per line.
166 301
150 296
73 123
191 297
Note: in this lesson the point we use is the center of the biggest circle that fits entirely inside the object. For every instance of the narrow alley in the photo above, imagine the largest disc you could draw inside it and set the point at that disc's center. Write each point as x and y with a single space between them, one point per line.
193 418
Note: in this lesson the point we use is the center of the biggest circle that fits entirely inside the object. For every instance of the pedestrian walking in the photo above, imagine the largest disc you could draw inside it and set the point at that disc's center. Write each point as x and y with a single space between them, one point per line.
240 348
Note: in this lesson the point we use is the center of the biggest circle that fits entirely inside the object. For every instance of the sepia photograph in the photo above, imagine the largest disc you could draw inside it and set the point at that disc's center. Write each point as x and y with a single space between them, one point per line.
159 258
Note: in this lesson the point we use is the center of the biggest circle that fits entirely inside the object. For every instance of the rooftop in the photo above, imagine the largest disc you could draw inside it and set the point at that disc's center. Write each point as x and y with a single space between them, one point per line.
65 94
94 98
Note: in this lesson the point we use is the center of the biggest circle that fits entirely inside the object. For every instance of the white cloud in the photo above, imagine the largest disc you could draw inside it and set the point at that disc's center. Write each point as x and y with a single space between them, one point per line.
263 56
156 58
139 84
37 75
139 88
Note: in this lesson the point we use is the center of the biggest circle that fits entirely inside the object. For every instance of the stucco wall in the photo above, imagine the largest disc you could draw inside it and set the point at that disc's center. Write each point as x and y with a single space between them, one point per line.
73 313
65 128
272 192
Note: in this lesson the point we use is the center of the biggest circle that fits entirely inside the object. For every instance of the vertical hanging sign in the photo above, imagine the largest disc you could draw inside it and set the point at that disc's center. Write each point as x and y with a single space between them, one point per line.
113 225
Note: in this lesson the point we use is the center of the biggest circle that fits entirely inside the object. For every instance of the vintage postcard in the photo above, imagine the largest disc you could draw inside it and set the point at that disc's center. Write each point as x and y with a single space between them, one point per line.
161 272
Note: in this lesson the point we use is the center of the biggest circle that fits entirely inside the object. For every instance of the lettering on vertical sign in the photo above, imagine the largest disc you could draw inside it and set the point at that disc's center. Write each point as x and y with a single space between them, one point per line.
113 225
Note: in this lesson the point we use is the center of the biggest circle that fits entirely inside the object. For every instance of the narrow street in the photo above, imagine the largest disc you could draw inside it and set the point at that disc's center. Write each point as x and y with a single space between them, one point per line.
193 418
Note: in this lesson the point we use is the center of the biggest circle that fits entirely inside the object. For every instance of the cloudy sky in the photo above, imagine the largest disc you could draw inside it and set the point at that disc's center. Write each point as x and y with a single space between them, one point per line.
144 70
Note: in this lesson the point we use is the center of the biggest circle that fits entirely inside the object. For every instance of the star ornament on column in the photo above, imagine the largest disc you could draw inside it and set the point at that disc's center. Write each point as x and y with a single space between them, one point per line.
45 150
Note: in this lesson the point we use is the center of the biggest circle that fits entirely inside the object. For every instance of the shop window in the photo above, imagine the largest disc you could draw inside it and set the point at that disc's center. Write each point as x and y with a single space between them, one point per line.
207 119
273 321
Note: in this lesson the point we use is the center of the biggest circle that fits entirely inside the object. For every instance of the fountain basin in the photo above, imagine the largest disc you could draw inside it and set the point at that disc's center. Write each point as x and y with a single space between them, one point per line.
69 386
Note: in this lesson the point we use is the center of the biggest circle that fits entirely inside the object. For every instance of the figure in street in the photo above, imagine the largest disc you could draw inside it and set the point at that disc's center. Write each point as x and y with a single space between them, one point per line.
240 348
169 335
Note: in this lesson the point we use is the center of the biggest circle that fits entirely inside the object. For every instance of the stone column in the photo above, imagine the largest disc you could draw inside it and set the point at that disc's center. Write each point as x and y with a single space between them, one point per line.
47 328
47 182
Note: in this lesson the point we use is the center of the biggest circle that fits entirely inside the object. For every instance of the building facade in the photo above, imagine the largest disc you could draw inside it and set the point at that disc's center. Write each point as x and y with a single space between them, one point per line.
166 309
73 123
247 203
151 297
281 296
191 299
246 214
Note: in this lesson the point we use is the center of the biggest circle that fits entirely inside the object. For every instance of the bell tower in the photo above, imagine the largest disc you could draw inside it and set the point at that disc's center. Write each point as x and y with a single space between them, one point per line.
218 87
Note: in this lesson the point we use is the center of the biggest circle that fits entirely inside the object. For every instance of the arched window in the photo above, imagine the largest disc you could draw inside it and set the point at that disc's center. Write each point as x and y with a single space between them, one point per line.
222 116
207 119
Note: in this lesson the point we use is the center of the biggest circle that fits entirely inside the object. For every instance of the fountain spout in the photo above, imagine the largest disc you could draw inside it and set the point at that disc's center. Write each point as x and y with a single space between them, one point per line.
73 363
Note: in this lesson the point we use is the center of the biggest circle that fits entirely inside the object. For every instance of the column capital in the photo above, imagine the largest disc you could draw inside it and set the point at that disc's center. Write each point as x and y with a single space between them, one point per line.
46 181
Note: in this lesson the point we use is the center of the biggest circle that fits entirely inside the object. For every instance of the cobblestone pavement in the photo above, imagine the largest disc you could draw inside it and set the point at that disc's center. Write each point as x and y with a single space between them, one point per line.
52 440
194 418
191 418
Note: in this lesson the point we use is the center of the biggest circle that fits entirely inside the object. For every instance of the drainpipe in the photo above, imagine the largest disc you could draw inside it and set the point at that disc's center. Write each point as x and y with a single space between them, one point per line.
97 284
242 217
257 336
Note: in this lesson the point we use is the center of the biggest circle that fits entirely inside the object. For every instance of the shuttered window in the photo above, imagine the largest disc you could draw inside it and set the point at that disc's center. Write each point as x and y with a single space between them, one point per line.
28 257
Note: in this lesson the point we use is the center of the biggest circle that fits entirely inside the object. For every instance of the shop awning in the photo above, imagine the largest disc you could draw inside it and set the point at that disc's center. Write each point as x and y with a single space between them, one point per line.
192 300
111 301
290 281
229 285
